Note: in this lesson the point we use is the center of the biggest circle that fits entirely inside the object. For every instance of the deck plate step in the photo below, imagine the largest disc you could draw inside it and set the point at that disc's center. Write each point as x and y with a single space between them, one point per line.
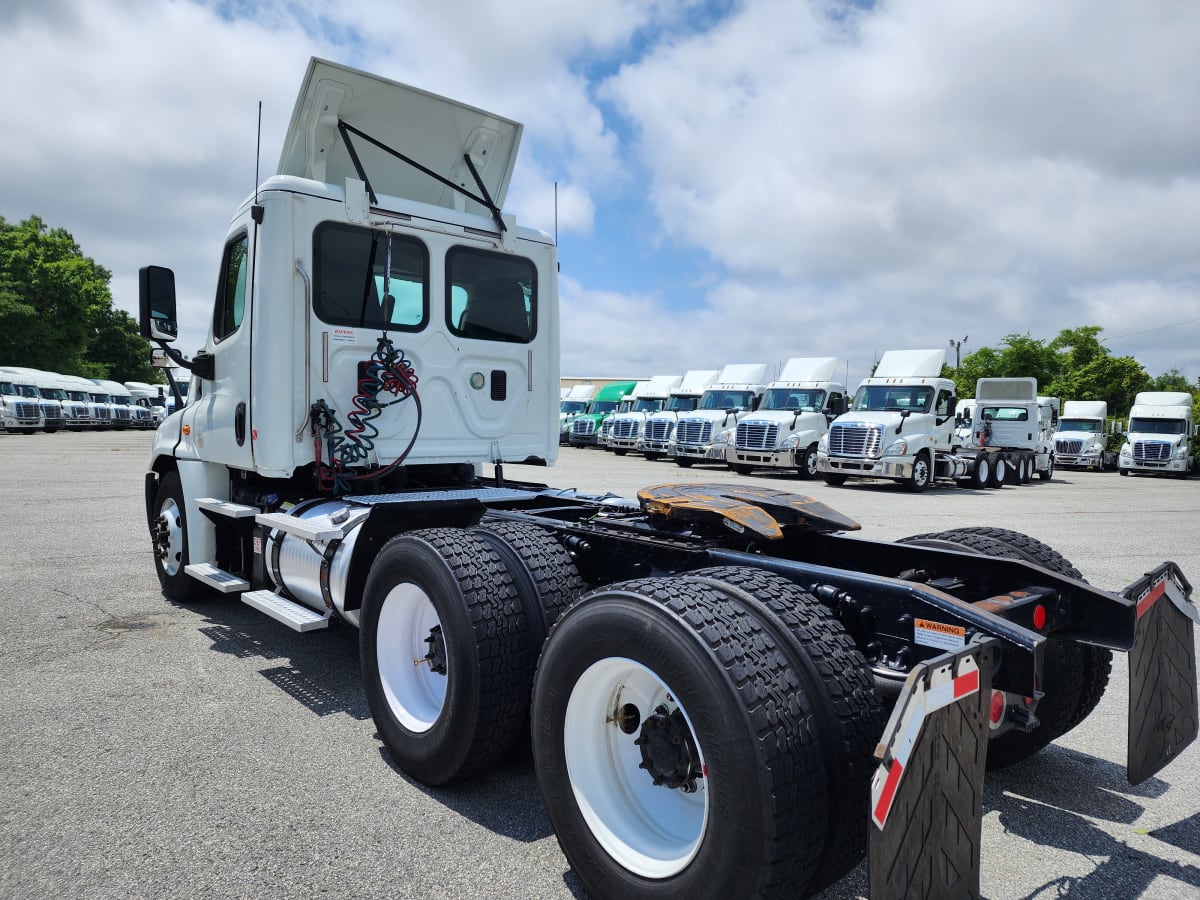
223 581
290 613
226 507
318 528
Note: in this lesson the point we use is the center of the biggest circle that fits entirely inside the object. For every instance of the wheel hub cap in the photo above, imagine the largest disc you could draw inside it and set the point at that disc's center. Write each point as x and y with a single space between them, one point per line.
669 752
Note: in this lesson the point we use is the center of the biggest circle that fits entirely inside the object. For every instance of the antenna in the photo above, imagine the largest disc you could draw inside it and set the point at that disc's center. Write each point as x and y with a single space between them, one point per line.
256 211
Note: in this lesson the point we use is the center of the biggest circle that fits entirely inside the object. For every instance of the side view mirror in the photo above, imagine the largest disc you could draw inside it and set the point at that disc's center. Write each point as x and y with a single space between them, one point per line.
156 291
952 406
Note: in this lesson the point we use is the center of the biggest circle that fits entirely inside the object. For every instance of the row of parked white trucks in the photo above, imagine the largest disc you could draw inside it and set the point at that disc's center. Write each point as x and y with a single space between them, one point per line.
727 692
34 400
903 424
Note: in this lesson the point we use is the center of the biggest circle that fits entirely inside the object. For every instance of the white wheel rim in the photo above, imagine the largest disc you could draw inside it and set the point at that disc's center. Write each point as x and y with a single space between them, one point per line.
172 536
415 693
651 831
983 470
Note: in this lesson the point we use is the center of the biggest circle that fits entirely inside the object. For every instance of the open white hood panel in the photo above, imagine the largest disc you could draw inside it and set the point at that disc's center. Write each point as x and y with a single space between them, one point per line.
433 131
910 364
816 368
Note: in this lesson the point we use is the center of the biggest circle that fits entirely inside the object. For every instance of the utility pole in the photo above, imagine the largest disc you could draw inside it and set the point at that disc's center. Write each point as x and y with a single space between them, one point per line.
957 345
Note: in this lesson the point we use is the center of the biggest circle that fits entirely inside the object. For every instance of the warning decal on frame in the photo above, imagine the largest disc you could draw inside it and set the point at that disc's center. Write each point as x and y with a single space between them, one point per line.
939 634
343 336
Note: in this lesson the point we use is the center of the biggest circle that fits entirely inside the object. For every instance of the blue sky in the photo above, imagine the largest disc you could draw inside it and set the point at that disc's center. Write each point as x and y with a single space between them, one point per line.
737 181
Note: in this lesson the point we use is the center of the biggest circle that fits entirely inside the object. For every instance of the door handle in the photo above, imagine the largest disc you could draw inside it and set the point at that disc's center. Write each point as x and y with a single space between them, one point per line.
239 423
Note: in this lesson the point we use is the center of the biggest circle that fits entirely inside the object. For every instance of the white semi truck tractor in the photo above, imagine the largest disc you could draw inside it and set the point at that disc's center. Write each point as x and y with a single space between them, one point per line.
1081 439
793 416
660 426
1161 435
703 671
704 434
626 429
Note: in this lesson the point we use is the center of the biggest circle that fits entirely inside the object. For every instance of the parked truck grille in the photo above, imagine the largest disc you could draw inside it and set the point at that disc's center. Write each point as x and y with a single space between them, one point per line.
757 435
122 414
1151 451
102 415
1068 448
583 426
624 429
53 414
855 440
693 432
658 430
27 410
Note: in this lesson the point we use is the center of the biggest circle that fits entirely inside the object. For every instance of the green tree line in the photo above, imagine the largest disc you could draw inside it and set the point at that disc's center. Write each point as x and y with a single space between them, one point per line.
56 309
1075 365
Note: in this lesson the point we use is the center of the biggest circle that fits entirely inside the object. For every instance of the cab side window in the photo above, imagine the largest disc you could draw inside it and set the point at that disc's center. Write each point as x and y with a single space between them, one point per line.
490 296
943 403
230 308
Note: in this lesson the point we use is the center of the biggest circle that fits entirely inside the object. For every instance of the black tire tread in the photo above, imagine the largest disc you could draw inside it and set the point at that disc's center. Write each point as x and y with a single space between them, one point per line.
549 563
849 698
789 755
1083 670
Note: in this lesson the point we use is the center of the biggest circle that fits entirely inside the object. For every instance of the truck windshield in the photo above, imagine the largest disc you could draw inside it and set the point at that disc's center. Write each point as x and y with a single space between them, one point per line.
647 406
7 389
681 404
727 400
1091 426
603 406
572 406
792 399
882 397
28 390
1157 426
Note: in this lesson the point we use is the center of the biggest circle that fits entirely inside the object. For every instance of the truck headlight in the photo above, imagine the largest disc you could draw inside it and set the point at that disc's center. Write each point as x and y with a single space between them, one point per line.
823 443
791 442
724 437
1126 451
897 448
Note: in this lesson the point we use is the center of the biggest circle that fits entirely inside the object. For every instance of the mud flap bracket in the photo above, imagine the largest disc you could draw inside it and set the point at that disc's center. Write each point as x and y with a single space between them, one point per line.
1162 672
927 794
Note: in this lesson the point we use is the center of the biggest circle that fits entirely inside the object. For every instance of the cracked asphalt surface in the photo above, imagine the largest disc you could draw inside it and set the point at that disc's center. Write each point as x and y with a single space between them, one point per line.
152 749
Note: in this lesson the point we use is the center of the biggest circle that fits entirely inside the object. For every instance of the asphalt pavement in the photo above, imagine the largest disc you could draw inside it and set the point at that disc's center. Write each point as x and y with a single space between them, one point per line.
149 749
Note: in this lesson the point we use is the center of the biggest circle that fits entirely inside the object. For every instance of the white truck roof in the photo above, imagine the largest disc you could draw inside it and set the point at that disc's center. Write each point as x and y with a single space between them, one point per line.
809 368
385 109
1162 398
582 392
657 387
696 381
910 364
1085 409
742 373
1017 390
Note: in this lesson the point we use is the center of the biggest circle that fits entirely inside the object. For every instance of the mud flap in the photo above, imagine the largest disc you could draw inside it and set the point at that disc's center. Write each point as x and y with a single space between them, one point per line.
927 794
1162 672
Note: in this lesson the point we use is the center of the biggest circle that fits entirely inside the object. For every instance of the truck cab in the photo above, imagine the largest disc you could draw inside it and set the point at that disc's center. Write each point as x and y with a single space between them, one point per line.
587 427
626 428
20 404
901 420
793 416
1161 435
659 431
1081 438
41 387
574 403
704 434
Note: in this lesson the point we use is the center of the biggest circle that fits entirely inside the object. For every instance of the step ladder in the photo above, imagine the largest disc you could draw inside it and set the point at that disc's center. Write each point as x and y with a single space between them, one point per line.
281 609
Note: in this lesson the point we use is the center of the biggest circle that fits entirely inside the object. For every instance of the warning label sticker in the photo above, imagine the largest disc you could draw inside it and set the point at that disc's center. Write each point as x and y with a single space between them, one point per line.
343 336
938 634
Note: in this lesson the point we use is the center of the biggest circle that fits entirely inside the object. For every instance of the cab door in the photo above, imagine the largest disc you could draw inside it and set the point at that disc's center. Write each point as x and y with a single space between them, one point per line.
220 417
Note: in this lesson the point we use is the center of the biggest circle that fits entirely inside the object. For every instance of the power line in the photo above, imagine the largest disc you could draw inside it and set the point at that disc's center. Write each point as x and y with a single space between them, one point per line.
1118 337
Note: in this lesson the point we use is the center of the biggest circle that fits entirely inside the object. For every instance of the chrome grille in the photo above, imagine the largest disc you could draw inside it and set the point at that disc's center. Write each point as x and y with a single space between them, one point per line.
1151 451
53 413
757 435
102 413
625 429
693 431
658 430
583 426
1070 448
27 410
122 414
855 440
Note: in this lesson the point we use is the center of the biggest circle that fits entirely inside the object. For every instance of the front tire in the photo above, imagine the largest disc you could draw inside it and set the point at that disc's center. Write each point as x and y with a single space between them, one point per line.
1048 473
671 749
446 659
922 474
169 539
806 463
835 479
